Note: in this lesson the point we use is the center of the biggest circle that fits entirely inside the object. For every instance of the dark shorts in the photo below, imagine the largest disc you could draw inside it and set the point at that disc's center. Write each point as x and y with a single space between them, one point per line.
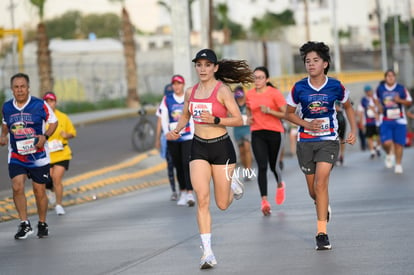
37 174
309 153
218 150
64 163
371 130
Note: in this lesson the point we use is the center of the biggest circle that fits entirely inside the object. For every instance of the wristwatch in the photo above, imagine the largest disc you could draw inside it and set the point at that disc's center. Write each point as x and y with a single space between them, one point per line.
46 136
216 120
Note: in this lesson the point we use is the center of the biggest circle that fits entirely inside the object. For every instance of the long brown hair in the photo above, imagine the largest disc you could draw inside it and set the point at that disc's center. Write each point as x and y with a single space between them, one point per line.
234 71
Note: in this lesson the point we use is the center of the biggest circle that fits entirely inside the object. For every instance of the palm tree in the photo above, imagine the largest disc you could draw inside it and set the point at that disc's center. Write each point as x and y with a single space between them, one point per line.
131 69
44 60
223 11
168 8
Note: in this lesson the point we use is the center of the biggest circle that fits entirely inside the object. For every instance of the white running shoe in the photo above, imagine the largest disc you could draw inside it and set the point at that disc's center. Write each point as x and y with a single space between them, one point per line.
208 261
389 162
183 199
237 187
398 169
190 199
59 210
51 197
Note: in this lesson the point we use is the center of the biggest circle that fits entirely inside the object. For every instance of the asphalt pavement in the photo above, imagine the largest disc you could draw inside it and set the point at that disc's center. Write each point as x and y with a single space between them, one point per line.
143 232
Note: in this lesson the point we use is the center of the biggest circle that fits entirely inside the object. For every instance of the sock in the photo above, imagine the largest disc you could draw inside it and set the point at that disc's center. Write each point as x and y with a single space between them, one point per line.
206 241
321 227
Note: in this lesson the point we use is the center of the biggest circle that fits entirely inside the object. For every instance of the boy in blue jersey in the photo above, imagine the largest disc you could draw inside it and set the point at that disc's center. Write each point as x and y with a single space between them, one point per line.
391 98
24 119
318 141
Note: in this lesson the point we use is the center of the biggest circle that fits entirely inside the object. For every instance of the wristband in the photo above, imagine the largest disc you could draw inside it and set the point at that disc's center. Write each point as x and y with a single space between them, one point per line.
46 136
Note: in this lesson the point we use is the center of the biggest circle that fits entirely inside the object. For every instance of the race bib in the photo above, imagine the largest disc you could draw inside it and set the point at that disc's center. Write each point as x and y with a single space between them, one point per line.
27 146
370 113
55 145
323 131
393 113
198 107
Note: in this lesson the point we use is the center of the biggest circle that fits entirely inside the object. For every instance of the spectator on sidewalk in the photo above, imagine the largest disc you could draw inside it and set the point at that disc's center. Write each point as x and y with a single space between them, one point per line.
24 119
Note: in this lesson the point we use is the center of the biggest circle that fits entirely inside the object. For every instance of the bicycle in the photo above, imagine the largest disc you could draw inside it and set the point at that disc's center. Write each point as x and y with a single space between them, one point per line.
143 134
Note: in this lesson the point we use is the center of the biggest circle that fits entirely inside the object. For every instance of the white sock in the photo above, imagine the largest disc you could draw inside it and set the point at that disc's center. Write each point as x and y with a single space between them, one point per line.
206 241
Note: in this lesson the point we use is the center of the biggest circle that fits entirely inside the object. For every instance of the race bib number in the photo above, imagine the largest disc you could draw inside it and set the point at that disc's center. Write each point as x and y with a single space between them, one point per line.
393 113
27 146
323 131
198 107
55 145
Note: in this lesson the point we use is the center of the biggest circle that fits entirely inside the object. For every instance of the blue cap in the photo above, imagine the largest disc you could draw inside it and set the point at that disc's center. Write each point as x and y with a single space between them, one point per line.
367 88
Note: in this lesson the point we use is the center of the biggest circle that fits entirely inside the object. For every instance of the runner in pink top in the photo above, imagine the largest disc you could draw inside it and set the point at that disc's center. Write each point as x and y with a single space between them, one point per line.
213 108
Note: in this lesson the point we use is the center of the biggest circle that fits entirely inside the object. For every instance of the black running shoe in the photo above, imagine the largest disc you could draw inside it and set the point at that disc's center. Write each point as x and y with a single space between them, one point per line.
322 242
42 230
23 231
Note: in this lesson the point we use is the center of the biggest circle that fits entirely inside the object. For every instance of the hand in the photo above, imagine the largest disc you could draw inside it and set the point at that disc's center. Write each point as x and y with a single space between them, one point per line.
315 125
172 135
40 142
207 117
3 140
351 139
265 109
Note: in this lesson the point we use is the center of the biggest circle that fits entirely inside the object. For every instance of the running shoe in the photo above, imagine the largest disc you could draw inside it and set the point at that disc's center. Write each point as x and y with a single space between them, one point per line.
329 215
190 199
183 199
174 196
237 187
266 208
389 163
24 230
322 242
42 230
208 261
51 196
280 194
398 169
59 210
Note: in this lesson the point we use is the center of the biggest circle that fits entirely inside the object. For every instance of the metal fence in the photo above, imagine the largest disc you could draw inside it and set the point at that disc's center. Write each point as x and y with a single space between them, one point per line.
92 81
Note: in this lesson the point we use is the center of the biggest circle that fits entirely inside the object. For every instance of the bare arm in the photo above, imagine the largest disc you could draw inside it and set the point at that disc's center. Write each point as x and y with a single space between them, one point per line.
4 133
234 118
350 114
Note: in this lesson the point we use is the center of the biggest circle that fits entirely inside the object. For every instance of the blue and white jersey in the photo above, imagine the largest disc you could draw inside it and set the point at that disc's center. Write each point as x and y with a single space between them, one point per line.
318 104
23 125
170 111
392 111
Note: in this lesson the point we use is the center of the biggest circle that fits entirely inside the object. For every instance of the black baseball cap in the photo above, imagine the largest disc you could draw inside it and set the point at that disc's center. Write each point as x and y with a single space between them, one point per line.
206 54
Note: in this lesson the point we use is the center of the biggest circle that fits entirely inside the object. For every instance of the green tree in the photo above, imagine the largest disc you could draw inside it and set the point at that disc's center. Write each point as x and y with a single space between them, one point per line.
131 69
269 26
222 21
66 26
103 25
44 60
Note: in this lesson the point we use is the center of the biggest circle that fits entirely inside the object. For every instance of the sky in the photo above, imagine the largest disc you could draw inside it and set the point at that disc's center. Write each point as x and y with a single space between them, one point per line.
144 13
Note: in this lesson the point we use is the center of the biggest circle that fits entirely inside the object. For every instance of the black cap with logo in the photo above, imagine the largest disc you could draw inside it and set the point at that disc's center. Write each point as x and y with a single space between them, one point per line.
206 54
